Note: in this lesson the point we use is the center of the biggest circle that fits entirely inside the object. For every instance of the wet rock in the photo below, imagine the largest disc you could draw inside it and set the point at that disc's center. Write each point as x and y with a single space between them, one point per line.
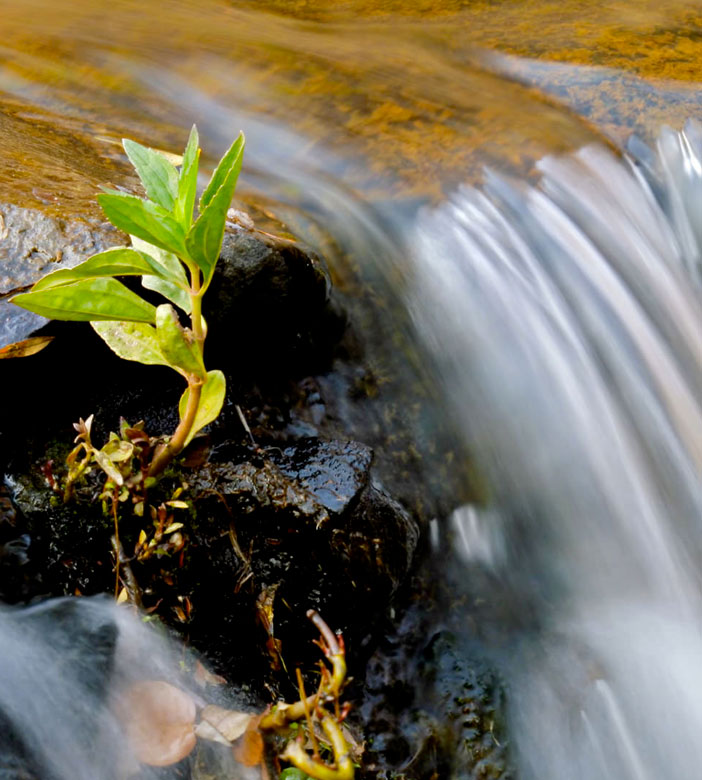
272 534
33 243
321 494
269 304
431 706
268 308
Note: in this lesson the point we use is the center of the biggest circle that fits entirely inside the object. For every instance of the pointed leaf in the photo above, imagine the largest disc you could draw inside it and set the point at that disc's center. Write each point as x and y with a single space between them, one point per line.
118 261
231 161
204 240
176 344
88 299
187 182
157 174
173 267
211 400
176 288
173 292
108 467
144 219
132 341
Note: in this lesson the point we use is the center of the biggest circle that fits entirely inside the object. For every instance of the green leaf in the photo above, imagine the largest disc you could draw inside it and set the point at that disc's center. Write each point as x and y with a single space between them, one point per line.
132 341
211 400
118 261
177 289
173 267
176 344
204 239
187 182
157 174
173 292
88 299
230 162
293 773
144 219
108 467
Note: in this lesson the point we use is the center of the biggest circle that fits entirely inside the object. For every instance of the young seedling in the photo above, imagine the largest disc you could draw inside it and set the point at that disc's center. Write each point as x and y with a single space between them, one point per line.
175 254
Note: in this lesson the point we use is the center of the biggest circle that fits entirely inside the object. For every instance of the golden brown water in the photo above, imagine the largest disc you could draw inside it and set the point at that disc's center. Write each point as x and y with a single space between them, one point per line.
393 99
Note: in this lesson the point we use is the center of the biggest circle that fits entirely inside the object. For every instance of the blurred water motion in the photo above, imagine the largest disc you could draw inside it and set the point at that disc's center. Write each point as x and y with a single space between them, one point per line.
395 102
65 666
560 319
564 321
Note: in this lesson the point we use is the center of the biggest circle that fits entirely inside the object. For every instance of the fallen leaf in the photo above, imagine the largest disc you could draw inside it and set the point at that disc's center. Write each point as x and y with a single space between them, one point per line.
220 725
248 749
159 722
25 348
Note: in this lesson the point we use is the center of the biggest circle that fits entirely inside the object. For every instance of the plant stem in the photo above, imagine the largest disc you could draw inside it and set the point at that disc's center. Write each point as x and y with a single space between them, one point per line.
196 293
165 454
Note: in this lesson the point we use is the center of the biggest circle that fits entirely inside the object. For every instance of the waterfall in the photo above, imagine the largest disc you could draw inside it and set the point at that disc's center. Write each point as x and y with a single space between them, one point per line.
564 324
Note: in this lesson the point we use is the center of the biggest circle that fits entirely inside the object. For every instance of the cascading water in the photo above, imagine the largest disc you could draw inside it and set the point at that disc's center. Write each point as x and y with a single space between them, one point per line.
565 324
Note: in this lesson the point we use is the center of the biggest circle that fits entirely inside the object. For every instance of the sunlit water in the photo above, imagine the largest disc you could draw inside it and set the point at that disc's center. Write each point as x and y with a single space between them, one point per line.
565 325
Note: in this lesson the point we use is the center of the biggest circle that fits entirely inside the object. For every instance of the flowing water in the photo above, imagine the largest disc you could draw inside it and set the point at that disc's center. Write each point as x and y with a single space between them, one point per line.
559 321
565 322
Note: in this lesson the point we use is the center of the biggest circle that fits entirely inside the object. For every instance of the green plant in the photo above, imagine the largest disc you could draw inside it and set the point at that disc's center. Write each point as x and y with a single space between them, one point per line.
175 254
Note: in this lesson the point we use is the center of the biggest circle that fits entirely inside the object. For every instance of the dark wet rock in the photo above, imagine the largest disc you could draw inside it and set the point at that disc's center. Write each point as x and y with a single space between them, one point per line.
268 308
299 528
318 498
431 706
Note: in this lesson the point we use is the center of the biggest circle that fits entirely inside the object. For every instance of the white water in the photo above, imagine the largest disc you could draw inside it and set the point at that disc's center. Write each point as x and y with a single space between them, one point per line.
65 663
566 327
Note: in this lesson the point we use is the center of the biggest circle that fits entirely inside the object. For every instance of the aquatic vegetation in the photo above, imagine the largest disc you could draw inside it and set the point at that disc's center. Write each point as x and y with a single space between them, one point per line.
175 254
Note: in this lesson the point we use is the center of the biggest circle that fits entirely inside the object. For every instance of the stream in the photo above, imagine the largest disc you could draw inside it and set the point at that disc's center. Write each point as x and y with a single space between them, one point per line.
517 233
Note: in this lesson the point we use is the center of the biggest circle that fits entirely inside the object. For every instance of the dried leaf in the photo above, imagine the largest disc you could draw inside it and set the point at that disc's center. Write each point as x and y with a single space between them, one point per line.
224 726
248 749
25 348
159 722
173 527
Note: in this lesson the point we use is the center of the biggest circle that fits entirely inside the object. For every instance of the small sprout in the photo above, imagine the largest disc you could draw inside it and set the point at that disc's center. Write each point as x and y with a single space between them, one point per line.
175 253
